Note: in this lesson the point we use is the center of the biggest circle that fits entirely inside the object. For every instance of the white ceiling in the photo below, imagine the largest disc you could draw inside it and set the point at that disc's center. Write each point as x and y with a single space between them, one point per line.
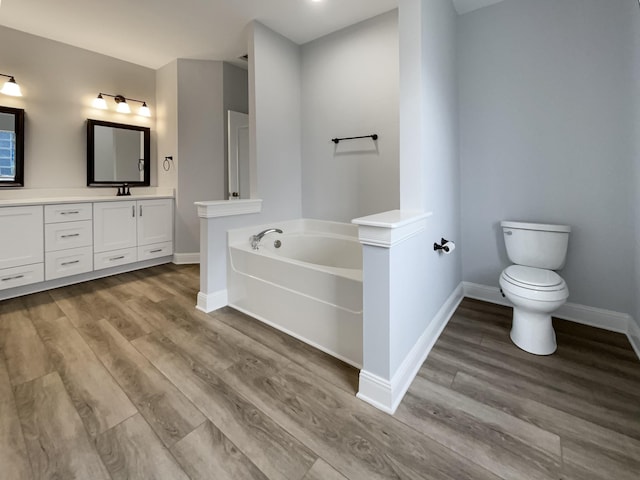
152 33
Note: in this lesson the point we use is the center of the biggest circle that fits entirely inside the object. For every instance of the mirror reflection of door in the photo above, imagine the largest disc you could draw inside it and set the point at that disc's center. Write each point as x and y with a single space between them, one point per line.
117 154
238 155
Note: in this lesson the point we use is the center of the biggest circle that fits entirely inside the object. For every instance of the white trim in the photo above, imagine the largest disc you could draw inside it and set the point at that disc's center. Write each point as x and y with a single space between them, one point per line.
388 229
186 258
64 196
375 391
634 336
387 395
484 293
573 312
83 277
402 379
212 301
227 208
594 317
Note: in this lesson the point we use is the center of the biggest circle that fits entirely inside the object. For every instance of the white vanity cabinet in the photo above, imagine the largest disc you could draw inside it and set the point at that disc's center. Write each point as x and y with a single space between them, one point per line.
130 231
53 242
21 246
155 221
68 240
114 226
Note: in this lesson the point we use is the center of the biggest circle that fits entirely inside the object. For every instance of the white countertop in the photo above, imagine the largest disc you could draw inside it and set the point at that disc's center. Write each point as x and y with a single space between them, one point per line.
83 199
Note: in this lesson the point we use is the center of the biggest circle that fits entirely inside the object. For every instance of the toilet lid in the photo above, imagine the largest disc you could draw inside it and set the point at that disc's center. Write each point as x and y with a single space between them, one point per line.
534 277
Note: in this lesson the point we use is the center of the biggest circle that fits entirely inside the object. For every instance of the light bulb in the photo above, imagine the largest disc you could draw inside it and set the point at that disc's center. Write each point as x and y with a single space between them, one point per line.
123 107
11 88
100 102
144 110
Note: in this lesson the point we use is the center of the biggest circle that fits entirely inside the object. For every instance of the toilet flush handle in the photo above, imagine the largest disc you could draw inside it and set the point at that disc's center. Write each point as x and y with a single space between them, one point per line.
508 232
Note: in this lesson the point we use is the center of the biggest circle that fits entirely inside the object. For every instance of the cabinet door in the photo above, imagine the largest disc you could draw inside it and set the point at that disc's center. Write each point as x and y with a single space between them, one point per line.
21 236
155 221
114 225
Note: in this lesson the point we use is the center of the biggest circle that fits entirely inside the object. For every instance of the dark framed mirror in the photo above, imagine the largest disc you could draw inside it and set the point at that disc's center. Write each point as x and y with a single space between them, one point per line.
117 154
11 147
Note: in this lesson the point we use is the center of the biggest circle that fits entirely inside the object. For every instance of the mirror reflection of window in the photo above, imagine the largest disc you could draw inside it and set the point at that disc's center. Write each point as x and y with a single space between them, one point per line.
7 154
11 141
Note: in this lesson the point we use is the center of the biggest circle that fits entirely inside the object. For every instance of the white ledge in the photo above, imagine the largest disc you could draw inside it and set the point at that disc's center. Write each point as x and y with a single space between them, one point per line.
85 199
227 208
390 228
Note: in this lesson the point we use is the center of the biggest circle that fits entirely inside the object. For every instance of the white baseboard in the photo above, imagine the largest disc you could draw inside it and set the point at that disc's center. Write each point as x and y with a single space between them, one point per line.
484 293
83 277
212 301
574 312
186 258
376 391
634 336
387 395
594 317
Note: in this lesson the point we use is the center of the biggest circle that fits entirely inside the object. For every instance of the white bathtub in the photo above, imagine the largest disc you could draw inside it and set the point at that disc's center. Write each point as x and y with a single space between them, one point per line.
310 287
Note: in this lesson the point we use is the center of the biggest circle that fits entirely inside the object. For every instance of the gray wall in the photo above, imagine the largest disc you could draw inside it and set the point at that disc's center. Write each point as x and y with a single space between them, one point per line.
193 96
200 146
59 83
546 135
350 88
167 124
275 120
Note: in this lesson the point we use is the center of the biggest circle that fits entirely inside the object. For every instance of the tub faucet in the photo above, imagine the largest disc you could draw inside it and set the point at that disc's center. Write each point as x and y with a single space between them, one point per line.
255 239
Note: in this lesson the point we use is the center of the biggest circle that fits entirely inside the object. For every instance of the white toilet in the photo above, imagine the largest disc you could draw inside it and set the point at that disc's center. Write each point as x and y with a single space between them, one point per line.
531 285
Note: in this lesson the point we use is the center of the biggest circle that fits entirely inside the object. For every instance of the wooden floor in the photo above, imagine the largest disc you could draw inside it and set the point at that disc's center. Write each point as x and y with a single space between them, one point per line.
122 378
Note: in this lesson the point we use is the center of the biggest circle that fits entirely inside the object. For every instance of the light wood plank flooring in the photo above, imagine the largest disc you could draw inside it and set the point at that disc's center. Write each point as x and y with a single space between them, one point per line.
121 378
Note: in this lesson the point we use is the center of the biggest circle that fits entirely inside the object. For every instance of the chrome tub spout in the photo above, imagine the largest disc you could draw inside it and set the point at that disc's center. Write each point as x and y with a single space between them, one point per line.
255 239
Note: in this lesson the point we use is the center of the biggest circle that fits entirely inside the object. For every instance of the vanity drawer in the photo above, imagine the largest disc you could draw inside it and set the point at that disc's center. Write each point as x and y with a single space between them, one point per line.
157 250
60 236
68 212
114 258
68 262
24 275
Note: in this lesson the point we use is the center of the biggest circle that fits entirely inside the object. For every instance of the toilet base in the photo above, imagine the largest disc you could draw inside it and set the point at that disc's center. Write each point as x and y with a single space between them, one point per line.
533 332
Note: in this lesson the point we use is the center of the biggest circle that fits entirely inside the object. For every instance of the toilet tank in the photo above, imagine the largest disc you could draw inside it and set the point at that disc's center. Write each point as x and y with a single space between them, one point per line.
536 244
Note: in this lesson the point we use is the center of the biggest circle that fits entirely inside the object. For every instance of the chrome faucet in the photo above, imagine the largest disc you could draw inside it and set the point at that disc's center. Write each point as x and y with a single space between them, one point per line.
255 239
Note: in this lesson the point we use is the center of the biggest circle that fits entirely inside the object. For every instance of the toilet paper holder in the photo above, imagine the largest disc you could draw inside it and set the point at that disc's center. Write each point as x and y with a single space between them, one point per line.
442 246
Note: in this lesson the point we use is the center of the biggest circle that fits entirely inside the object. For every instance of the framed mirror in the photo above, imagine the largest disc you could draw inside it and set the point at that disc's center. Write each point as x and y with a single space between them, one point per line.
117 154
11 147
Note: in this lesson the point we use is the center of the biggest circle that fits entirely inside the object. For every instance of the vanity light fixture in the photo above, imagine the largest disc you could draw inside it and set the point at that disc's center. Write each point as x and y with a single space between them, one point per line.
144 110
10 86
122 105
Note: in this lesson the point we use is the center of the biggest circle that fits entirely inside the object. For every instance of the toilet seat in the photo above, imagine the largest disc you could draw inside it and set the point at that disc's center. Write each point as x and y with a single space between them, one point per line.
534 283
533 278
